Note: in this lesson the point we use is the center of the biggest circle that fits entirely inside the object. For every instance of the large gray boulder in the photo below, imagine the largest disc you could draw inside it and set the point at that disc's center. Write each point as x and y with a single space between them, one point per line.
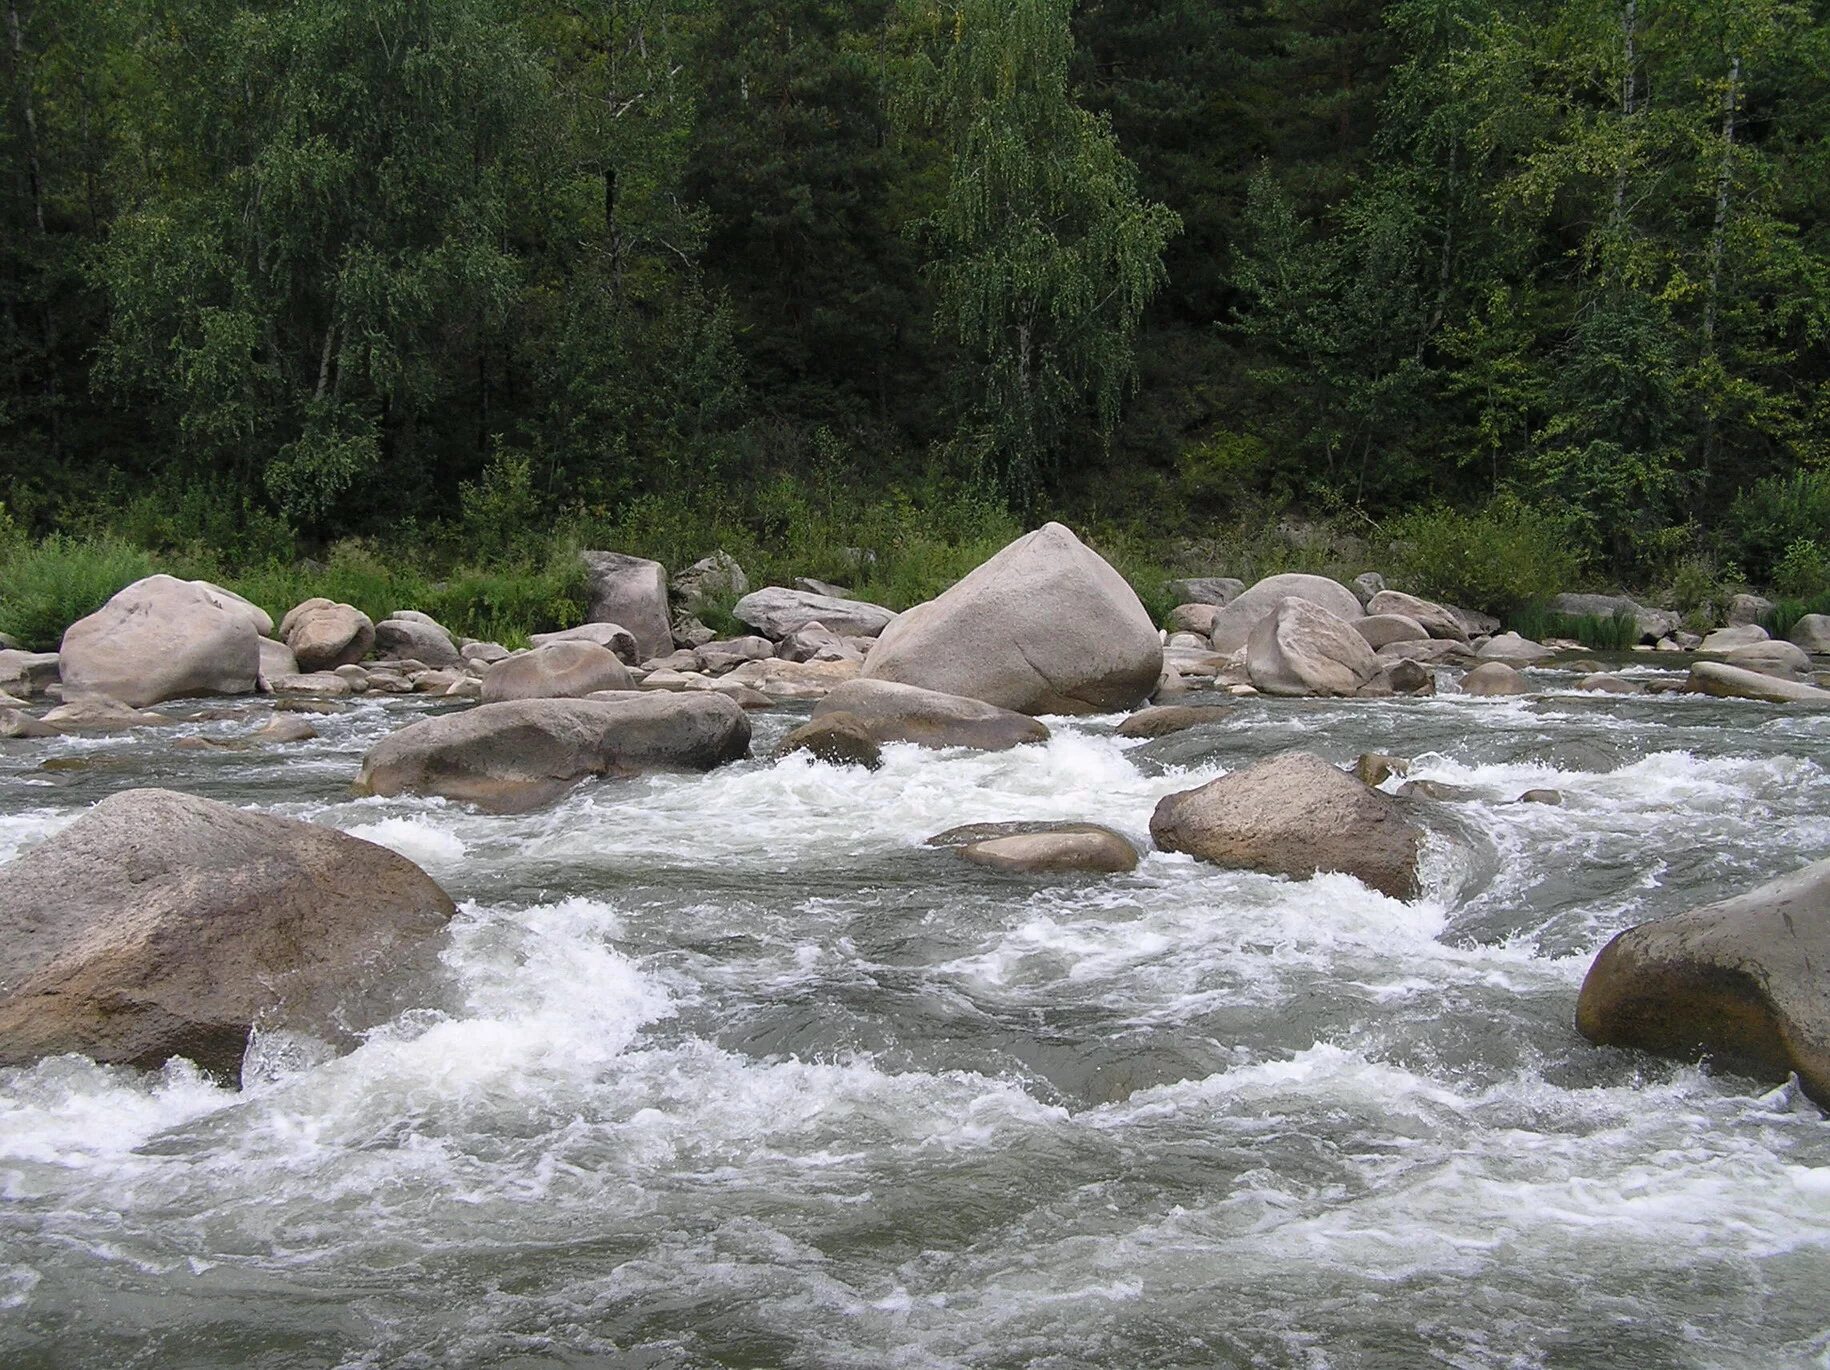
1294 814
1381 630
631 591
1437 620
1775 658
1748 609
162 638
161 925
1215 590
559 670
517 755
1746 981
1811 634
1234 623
894 712
1652 624
613 636
708 581
324 635
1045 626
1731 638
1300 648
777 613
1724 681
412 636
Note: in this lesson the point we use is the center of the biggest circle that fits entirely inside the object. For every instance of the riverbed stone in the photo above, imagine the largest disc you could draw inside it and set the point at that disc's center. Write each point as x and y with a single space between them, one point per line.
1434 651
1401 677
26 675
1743 981
1780 658
1294 814
632 592
728 654
477 654
1380 630
1746 608
1233 624
162 638
1375 768
1651 624
894 712
1366 585
837 738
1724 681
161 925
794 680
710 580
18 723
412 634
1215 590
324 635
1514 650
1301 648
99 714
1162 719
1541 796
1728 639
611 636
323 683
1090 849
520 754
1436 619
1197 619
1494 678
777 613
1602 682
1045 626
1811 634
559 670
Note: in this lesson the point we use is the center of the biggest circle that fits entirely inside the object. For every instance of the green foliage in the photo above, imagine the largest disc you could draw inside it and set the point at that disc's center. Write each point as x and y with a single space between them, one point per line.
1616 633
1498 560
46 586
500 512
1772 515
1787 612
1804 570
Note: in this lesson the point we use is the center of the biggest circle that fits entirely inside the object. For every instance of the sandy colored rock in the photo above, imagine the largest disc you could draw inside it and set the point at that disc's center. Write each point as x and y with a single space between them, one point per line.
1513 650
1380 630
1296 815
1494 678
161 925
631 591
838 739
1733 682
324 635
1436 620
1743 981
1193 618
777 613
612 636
560 670
1301 648
1089 849
1234 623
1045 626
1162 719
162 638
1811 634
894 712
412 634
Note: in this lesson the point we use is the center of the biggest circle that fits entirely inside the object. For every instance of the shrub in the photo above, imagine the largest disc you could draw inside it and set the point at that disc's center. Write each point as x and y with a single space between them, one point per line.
1787 612
1507 556
46 586
1617 633
1803 571
1772 516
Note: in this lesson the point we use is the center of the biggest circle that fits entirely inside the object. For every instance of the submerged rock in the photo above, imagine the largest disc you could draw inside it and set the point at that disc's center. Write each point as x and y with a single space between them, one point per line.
161 925
1045 626
520 754
162 638
1294 814
894 712
837 738
1085 847
1743 980
1163 719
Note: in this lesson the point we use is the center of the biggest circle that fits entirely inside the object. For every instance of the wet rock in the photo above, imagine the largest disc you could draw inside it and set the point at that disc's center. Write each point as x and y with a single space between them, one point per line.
17 723
1742 981
409 633
894 712
1494 678
611 636
1163 719
27 674
1215 590
162 638
357 677
161 925
838 738
708 581
1812 634
325 683
1380 630
1514 650
301 704
631 591
560 670
1728 639
778 613
718 657
324 635
1294 814
1744 609
1300 648
286 729
1197 619
1437 620
1541 797
1087 849
1402 677
96 714
1773 658
1734 682
1437 791
1432 650
520 754
1233 624
1375 768
1604 683
1044 626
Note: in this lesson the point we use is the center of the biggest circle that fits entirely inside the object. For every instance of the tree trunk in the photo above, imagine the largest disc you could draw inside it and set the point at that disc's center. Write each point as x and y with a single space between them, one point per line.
1731 102
35 180
1629 29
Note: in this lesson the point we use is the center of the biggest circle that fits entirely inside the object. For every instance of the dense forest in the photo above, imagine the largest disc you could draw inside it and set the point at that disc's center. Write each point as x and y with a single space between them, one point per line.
278 274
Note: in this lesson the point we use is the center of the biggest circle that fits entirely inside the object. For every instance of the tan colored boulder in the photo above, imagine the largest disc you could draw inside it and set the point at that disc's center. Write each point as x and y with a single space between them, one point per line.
1162 719
520 754
794 680
1296 815
16 723
838 739
1301 648
325 683
1436 620
1773 658
1743 981
408 633
1381 630
1513 650
1734 682
161 925
1811 634
324 635
27 674
276 659
719 657
1603 683
1728 639
1045 626
162 638
1193 618
1085 848
1234 623
631 591
614 636
99 714
1494 678
561 670
894 712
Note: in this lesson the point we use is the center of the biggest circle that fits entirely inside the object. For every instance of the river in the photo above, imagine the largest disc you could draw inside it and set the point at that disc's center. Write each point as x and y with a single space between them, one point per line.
733 1071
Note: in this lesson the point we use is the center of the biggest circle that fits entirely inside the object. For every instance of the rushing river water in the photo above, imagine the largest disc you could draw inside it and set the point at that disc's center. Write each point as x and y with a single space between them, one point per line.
732 1071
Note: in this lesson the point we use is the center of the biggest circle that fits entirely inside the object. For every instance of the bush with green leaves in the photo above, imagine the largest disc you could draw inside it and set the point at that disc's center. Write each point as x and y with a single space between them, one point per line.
46 586
1498 560
1771 516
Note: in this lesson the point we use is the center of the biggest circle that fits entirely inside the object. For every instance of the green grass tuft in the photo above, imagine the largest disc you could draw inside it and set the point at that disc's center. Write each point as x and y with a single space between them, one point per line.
46 586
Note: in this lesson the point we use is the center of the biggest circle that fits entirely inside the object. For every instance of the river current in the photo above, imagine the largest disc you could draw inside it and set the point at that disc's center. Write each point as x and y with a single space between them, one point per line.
733 1071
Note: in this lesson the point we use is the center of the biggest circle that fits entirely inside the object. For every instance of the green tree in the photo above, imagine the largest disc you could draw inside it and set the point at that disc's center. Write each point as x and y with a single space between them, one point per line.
1043 253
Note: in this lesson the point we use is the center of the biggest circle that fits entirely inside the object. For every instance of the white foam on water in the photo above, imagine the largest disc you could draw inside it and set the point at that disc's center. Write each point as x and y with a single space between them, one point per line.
419 839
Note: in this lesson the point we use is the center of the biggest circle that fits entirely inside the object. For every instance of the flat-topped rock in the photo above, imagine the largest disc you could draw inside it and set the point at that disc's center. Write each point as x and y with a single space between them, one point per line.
559 670
632 592
1734 682
1085 849
778 613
